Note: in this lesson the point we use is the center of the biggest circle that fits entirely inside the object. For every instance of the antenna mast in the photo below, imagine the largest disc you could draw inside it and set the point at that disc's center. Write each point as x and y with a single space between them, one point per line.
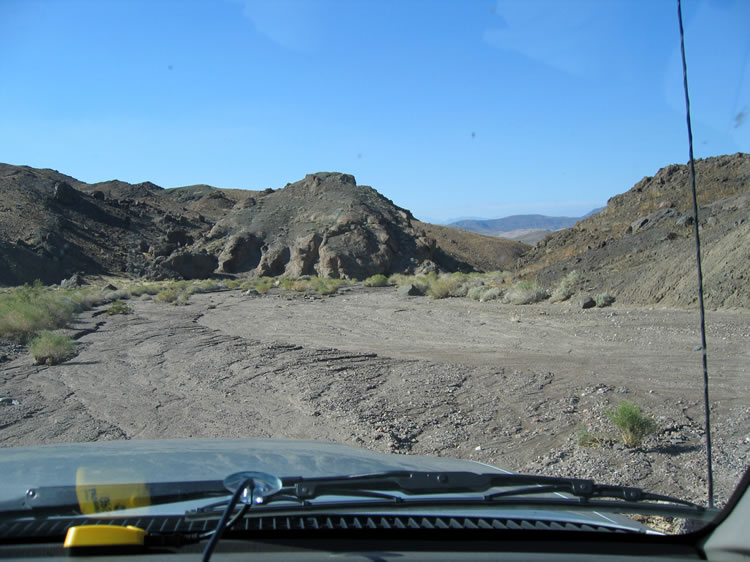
710 477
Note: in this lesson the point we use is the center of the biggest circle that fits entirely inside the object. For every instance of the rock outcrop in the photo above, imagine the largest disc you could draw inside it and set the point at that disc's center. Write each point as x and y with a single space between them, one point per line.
323 225
52 226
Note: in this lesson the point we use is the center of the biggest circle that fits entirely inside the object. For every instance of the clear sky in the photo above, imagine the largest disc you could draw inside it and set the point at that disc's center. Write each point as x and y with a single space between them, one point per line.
451 108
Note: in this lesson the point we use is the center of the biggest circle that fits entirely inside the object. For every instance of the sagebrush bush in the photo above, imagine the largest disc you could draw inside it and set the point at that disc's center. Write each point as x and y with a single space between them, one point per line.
490 294
377 280
632 424
566 288
50 348
525 292
168 294
604 299
443 287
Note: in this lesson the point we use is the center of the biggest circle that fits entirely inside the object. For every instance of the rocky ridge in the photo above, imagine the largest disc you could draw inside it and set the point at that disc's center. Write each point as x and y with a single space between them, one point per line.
641 246
52 225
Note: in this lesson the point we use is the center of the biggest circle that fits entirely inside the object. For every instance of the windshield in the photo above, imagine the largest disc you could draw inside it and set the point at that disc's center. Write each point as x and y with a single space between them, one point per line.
437 229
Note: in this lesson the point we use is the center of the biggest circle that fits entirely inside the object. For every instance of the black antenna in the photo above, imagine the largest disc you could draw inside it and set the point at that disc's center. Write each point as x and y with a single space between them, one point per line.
710 476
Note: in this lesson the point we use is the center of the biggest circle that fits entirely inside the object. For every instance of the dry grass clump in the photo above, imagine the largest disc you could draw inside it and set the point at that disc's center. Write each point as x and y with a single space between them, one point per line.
566 288
167 294
50 348
586 438
140 289
525 292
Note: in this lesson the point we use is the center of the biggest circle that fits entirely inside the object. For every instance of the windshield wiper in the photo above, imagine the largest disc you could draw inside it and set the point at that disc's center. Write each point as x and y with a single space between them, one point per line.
468 488
392 487
584 492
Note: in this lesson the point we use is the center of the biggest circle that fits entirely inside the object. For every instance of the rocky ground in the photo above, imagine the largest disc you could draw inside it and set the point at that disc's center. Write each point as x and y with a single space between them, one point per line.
509 385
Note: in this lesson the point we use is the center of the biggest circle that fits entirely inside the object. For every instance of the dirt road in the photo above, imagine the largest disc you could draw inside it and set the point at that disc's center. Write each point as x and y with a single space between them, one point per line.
503 384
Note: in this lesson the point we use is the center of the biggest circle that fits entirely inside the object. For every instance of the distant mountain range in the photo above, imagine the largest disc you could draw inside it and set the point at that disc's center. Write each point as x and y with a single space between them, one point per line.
525 228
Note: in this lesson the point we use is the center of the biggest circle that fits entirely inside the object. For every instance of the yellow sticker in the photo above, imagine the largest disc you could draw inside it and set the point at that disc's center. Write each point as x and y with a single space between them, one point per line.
107 489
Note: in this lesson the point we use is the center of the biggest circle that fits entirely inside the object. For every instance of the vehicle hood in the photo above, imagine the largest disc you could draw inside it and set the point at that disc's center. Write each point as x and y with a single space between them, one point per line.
179 460
204 459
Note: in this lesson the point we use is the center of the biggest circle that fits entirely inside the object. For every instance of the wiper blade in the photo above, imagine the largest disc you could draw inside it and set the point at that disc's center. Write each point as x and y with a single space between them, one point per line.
551 491
425 483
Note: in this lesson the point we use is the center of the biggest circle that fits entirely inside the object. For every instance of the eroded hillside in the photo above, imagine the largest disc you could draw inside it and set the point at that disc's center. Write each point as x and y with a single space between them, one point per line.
641 246
52 225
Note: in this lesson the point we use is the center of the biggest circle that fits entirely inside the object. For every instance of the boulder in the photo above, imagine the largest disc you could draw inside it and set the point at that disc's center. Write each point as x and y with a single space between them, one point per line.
587 301
191 265
73 282
409 290
65 194
241 253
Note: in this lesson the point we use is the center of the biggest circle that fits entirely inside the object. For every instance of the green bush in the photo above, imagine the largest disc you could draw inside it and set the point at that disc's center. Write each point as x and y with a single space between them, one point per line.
604 299
27 310
377 280
631 423
119 307
50 348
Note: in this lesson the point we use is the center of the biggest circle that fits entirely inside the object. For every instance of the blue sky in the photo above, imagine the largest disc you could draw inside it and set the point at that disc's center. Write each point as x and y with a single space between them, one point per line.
461 108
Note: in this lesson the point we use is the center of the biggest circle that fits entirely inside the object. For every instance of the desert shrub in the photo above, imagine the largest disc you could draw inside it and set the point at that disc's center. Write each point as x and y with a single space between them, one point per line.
400 279
27 310
475 293
209 286
586 438
167 294
263 284
377 280
490 294
143 289
631 423
443 287
119 294
183 298
50 348
119 307
604 299
87 299
526 292
233 283
566 288
287 283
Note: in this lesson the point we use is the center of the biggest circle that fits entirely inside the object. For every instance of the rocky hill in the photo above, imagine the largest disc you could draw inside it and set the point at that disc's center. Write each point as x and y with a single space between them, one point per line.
52 225
641 248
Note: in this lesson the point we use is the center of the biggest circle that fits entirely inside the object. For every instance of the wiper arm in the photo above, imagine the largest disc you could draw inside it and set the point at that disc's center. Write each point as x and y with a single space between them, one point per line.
425 483
585 493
